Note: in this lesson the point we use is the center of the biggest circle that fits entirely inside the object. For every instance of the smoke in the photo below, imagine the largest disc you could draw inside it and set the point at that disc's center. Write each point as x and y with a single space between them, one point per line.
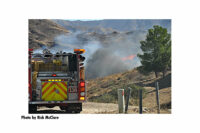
117 54
103 62
105 53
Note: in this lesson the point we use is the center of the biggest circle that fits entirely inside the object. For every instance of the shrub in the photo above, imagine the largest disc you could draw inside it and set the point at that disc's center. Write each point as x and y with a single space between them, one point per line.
106 98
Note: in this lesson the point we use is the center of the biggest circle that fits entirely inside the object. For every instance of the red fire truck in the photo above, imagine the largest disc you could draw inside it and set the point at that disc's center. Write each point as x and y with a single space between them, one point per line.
57 80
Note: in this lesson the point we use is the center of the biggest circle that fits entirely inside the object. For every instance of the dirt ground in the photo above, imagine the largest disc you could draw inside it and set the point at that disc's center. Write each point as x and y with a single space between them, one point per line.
103 108
164 98
110 108
149 105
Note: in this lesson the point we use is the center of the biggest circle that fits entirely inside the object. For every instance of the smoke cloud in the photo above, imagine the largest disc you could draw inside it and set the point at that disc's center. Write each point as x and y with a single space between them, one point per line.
118 54
105 53
103 62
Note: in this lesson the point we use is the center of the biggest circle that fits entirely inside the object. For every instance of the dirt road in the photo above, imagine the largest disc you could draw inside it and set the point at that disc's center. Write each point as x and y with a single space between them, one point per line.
89 108
100 108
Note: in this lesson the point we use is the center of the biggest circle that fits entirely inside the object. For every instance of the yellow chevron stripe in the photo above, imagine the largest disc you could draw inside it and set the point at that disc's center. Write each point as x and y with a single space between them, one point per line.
60 91
51 95
63 87
58 97
47 92
44 88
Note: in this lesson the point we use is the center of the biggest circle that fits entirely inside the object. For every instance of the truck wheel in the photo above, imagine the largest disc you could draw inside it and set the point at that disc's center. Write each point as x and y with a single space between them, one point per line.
66 109
75 107
77 112
63 107
32 108
72 108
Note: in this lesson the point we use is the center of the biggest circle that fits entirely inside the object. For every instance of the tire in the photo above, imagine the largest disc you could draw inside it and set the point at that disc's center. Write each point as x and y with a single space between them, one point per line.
32 108
66 109
72 108
77 112
63 107
75 107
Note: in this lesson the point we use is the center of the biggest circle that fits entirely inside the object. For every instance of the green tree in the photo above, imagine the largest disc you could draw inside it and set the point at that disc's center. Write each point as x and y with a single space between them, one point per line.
156 56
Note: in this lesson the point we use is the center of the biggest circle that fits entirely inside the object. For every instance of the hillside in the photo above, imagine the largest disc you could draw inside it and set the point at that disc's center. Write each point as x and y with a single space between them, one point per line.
42 32
110 25
104 90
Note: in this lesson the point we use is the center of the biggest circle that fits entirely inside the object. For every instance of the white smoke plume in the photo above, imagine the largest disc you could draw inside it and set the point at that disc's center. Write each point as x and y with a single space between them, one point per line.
104 53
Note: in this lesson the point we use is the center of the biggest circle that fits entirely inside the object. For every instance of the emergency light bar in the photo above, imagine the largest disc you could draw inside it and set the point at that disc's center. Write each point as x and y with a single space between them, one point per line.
79 51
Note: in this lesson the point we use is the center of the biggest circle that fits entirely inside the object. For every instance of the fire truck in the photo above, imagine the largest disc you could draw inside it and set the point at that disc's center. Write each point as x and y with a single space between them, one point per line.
57 80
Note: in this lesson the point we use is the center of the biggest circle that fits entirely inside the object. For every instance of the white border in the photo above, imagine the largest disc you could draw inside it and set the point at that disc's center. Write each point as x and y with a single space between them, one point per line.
185 63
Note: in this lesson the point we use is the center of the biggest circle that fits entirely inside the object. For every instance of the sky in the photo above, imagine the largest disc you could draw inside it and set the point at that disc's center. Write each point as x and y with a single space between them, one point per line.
83 19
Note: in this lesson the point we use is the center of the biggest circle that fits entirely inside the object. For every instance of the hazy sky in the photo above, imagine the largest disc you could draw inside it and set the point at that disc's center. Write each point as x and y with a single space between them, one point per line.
83 19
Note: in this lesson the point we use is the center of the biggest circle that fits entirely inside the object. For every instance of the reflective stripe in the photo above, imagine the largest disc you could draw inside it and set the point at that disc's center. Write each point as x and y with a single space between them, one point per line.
54 91
62 95
64 83
53 96
61 88
61 92
44 84
45 88
49 93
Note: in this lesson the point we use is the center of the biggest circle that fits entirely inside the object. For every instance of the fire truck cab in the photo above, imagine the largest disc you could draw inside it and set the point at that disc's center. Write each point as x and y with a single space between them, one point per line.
57 80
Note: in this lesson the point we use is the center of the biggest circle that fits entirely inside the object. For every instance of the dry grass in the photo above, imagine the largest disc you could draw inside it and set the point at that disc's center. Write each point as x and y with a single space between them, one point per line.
101 88
164 96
